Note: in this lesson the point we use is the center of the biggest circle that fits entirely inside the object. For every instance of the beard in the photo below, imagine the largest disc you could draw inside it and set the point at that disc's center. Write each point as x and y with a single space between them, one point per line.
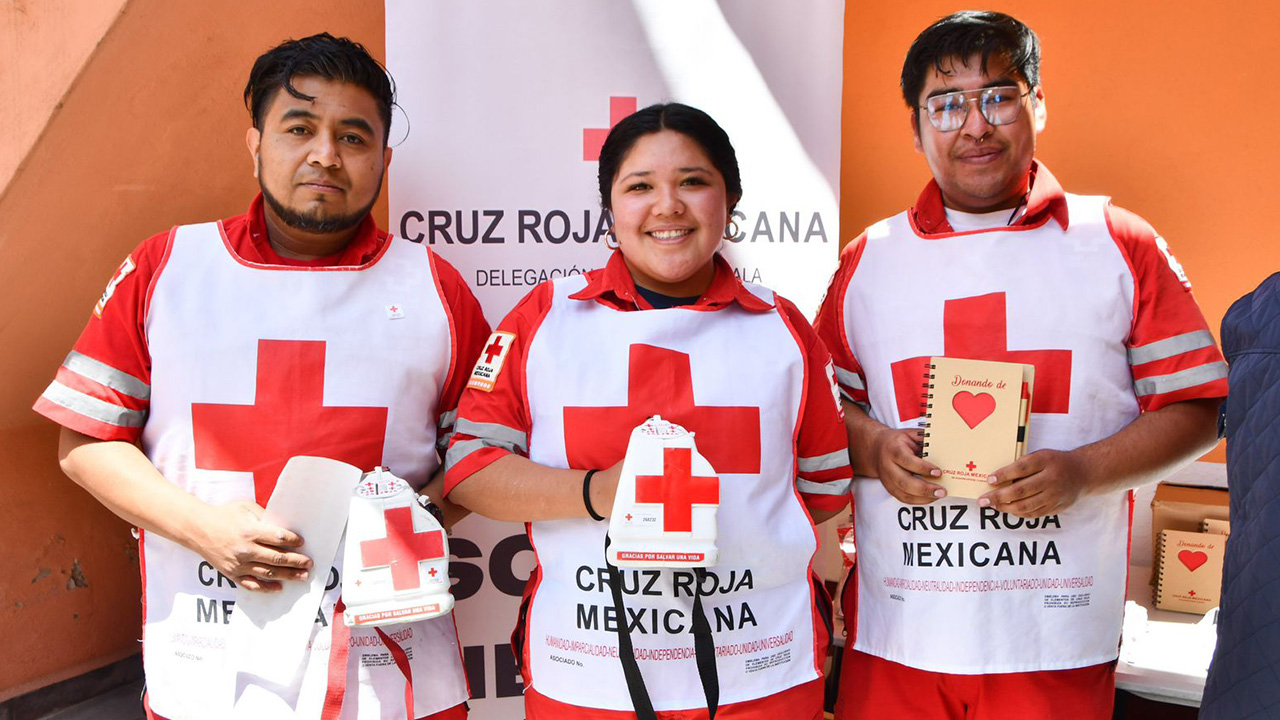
316 222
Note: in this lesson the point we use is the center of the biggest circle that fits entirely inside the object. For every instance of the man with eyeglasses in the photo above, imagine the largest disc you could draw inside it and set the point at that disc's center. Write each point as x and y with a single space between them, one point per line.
1009 606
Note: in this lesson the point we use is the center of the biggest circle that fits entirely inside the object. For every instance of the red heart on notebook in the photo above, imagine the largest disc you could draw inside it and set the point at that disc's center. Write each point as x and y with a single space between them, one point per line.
973 409
1192 559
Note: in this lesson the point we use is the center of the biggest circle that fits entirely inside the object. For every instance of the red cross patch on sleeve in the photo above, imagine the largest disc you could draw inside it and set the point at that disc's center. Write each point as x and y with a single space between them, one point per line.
126 267
490 362
1174 265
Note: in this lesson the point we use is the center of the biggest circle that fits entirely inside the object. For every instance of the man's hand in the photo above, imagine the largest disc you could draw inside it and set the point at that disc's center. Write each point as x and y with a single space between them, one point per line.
1045 482
900 469
255 555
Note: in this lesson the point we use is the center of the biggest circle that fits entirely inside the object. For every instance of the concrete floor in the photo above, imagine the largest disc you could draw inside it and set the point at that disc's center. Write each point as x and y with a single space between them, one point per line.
123 703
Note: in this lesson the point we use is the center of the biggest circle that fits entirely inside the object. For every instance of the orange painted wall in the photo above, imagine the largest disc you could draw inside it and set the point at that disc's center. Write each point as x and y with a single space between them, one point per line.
1164 106
149 133
1157 108
46 43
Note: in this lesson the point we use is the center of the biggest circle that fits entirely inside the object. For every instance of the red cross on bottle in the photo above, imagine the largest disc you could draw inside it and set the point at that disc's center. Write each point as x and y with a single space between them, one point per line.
402 549
677 489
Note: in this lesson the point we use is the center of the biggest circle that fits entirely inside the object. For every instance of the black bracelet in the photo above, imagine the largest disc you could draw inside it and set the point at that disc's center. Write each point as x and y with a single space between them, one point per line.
432 508
586 496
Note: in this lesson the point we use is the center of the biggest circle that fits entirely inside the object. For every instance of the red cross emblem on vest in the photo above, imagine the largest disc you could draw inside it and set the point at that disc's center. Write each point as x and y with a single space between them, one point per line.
288 418
660 382
976 328
402 549
677 489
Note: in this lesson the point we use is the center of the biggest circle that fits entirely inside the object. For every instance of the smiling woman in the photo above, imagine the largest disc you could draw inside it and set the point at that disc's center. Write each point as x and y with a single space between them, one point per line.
663 329
669 176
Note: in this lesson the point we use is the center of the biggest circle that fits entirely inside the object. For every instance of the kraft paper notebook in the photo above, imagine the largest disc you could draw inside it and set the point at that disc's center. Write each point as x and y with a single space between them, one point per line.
1189 571
1216 526
976 419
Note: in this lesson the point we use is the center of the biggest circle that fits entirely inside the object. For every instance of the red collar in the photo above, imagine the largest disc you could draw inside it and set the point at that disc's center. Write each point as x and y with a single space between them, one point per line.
1046 199
247 234
613 285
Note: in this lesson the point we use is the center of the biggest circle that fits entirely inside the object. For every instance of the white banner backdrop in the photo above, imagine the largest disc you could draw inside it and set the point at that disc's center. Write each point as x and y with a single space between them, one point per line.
508 102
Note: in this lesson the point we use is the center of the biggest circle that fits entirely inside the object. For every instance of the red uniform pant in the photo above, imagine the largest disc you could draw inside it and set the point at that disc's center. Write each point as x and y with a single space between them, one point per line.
802 702
872 688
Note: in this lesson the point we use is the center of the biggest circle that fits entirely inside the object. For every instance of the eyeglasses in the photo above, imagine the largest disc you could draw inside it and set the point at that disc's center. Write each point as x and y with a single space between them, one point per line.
999 105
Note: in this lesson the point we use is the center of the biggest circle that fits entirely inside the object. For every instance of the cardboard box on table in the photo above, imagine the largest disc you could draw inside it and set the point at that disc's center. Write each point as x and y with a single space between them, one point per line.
1183 507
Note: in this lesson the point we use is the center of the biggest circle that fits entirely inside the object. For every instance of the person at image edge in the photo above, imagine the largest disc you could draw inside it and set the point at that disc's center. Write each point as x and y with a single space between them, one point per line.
1010 606
222 349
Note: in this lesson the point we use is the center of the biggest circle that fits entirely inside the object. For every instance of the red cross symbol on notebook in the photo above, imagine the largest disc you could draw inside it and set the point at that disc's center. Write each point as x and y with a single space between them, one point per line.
971 466
493 350
976 328
288 418
660 382
403 548
678 489
593 138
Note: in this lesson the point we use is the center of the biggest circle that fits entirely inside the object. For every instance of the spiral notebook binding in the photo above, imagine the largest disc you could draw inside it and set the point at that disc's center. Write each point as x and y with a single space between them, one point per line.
926 408
1160 556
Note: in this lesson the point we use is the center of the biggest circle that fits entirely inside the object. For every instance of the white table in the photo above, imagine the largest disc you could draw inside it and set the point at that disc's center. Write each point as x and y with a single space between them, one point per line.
1166 660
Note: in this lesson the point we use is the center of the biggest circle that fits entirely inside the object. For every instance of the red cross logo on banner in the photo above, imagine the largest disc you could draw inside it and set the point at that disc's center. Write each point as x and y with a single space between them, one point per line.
677 488
593 138
976 328
661 383
288 418
402 549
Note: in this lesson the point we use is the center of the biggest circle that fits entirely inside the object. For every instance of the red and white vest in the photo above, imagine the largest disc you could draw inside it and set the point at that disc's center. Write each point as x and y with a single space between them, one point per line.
586 364
951 587
251 365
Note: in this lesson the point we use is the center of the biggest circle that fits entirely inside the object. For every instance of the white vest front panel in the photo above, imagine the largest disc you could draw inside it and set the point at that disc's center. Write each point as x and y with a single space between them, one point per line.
347 345
951 587
760 610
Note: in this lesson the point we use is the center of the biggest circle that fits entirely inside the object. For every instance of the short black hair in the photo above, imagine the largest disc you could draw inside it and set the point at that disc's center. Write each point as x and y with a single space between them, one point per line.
688 121
324 56
960 36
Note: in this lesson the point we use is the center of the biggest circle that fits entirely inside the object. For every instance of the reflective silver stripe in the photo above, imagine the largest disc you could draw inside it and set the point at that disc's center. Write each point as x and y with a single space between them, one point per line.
850 379
445 433
494 434
442 441
93 408
103 373
1168 347
835 487
1181 380
830 461
459 452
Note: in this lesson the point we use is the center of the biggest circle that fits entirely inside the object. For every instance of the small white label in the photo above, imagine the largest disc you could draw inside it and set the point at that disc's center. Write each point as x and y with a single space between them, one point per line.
395 312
